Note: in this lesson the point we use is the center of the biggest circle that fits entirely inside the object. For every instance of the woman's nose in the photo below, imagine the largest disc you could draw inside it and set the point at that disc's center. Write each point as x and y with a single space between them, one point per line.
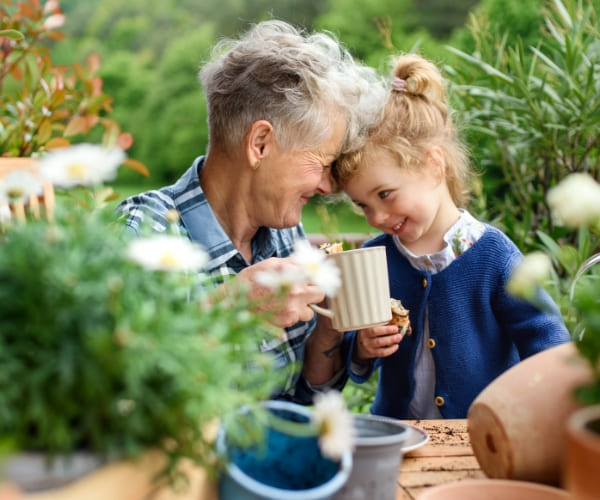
326 184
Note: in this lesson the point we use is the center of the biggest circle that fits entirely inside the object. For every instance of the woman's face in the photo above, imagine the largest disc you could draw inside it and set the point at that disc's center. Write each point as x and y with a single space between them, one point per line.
400 201
290 179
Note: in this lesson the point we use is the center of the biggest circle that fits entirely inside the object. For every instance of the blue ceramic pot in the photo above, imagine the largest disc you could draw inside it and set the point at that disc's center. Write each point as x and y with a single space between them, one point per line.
286 468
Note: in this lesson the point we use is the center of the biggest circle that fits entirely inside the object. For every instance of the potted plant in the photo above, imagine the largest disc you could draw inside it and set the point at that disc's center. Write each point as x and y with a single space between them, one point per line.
112 346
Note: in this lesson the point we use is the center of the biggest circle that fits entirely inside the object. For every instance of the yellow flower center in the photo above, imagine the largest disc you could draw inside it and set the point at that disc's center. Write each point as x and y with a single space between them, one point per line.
15 192
325 427
169 260
76 170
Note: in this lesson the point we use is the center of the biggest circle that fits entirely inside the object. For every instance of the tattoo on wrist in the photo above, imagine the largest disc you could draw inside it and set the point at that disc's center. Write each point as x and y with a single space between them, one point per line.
329 352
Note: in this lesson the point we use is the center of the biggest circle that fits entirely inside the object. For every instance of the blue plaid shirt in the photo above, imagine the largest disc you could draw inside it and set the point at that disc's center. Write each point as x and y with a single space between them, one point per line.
199 222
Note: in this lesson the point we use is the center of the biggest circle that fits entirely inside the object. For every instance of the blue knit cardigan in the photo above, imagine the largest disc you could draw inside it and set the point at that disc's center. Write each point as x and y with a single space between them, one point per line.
477 329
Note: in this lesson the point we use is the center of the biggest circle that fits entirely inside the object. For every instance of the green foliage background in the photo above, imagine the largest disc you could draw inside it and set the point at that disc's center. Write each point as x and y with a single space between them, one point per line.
151 51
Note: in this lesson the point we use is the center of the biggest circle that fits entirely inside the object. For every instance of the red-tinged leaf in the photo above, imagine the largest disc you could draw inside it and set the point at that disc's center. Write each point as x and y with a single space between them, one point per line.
26 11
16 72
77 125
60 114
54 21
57 143
91 120
137 166
79 71
111 133
58 97
97 86
12 34
55 36
93 63
125 141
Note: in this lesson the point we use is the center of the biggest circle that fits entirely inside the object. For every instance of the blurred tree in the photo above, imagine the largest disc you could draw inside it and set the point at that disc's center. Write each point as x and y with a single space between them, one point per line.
44 105
174 115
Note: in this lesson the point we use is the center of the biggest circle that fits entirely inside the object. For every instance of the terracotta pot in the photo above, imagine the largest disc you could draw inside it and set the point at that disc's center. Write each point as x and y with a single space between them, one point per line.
582 459
493 489
517 423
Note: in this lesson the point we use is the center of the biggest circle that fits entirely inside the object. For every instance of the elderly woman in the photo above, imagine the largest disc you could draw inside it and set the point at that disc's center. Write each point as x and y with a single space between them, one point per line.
282 106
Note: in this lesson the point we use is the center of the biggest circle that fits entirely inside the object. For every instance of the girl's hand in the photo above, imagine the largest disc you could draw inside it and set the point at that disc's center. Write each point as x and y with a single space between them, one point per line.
376 342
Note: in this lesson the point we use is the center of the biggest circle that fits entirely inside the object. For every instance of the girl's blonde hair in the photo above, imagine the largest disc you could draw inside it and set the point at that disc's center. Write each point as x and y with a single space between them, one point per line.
417 118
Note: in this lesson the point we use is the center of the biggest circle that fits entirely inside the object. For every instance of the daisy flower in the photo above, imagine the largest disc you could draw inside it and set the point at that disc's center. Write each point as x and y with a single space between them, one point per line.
336 427
81 165
575 201
18 186
280 281
532 271
319 270
167 253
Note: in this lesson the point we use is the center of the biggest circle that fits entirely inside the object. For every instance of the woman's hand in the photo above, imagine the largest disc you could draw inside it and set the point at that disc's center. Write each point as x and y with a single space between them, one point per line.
289 307
376 342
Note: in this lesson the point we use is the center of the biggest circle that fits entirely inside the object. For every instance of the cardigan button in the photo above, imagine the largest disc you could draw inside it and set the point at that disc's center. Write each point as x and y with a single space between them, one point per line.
439 401
424 282
430 343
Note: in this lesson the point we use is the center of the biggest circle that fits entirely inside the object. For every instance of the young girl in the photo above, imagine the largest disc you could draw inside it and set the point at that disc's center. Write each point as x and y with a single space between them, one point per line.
448 269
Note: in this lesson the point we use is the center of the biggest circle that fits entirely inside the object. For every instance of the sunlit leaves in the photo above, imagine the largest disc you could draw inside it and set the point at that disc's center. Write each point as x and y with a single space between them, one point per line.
43 105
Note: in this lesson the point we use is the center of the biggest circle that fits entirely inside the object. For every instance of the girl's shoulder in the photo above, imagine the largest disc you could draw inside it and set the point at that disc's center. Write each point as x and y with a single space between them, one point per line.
382 239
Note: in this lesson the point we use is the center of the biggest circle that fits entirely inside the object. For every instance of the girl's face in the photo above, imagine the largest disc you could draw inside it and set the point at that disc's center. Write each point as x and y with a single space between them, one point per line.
412 203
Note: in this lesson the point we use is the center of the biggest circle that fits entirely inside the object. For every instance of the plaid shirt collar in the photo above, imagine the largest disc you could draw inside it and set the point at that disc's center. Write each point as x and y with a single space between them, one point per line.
202 226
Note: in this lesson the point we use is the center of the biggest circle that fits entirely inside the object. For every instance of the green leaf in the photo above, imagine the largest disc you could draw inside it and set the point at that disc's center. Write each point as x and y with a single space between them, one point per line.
12 34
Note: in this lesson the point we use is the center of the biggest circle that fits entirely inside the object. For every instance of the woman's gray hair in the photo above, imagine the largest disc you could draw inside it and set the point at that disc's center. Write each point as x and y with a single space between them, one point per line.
297 81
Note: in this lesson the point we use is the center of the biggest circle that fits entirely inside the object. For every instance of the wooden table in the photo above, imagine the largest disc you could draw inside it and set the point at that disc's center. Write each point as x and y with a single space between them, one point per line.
446 457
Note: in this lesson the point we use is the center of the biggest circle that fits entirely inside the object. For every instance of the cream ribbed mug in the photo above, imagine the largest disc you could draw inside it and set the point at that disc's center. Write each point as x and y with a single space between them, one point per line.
363 299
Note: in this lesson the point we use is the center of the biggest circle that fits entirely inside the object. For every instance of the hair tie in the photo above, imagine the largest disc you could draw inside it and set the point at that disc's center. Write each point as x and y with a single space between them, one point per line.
398 84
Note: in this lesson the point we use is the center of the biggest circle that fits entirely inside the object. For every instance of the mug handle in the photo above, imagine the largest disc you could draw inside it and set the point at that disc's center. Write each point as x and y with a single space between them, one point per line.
321 310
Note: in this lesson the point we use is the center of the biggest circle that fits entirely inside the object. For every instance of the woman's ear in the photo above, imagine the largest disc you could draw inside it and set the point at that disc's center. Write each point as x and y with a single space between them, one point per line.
259 141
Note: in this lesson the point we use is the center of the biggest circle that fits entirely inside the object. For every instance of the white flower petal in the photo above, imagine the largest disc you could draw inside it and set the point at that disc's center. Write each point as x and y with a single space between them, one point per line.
279 280
319 270
575 201
5 213
337 432
531 272
167 253
19 185
328 278
81 165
